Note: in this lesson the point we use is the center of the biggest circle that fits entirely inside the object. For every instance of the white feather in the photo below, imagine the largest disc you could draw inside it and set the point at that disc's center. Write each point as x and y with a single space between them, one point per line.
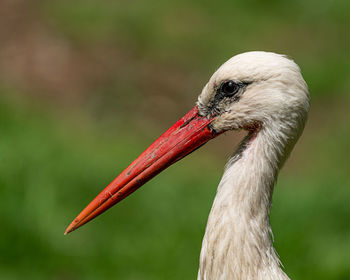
238 240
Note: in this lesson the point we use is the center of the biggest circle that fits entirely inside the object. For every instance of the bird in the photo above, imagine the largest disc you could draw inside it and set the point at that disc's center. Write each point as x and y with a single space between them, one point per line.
265 94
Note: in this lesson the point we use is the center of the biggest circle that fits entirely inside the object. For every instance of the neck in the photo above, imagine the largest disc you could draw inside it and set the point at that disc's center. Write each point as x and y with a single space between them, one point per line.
237 242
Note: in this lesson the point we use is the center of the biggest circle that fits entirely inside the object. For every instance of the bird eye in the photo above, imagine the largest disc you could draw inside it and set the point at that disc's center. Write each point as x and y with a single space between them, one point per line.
229 88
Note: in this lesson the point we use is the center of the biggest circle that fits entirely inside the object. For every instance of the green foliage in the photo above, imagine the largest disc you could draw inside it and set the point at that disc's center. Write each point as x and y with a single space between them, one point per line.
314 33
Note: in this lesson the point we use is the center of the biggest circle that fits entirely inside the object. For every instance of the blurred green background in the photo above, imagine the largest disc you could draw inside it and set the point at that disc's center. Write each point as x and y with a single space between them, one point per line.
86 86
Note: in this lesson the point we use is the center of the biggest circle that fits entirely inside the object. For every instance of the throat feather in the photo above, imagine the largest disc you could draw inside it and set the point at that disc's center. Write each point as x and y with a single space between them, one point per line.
238 239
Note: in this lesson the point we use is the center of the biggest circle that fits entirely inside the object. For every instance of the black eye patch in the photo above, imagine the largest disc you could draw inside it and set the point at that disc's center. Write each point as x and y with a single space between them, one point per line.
228 91
229 88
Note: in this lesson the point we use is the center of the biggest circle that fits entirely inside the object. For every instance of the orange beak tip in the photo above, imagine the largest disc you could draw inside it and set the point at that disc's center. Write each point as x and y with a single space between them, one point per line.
68 231
70 228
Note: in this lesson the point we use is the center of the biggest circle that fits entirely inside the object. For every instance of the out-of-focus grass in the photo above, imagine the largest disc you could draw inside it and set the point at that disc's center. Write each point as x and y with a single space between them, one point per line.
186 32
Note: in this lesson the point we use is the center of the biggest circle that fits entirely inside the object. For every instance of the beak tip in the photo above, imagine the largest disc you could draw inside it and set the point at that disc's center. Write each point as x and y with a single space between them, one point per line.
70 228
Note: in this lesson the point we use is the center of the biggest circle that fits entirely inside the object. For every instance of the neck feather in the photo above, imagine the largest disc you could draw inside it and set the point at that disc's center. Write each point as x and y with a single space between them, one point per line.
237 243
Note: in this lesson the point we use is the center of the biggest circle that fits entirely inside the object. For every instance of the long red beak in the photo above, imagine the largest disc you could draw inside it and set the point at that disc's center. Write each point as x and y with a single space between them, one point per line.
186 135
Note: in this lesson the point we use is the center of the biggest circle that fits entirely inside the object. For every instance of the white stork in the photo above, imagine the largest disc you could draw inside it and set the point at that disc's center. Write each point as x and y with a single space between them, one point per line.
265 94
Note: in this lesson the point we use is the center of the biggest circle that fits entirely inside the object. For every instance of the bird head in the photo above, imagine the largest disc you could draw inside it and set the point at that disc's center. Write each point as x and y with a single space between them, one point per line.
250 91
254 90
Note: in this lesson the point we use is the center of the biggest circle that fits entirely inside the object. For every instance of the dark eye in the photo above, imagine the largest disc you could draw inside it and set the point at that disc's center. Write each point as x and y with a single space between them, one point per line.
229 88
